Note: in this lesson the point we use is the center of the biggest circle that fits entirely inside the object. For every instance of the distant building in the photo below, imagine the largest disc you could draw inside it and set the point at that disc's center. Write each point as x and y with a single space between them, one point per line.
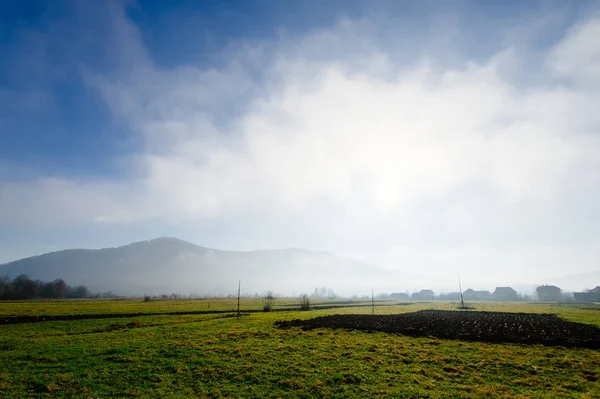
549 293
473 295
400 296
423 295
592 295
450 296
505 294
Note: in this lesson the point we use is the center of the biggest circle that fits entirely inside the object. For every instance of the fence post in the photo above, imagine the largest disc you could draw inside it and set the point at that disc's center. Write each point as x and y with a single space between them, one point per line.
239 287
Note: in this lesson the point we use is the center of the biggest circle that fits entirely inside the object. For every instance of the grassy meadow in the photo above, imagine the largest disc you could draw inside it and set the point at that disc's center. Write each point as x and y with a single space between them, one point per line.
217 355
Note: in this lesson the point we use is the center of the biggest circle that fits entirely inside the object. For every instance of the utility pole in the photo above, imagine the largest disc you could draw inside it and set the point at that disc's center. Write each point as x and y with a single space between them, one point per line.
239 288
372 301
462 302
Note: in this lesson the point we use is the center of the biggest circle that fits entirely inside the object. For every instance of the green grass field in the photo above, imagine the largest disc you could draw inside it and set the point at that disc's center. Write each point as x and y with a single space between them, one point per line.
217 355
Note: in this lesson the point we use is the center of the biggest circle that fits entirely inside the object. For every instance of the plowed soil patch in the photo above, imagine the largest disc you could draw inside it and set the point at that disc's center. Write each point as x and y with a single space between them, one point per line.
498 327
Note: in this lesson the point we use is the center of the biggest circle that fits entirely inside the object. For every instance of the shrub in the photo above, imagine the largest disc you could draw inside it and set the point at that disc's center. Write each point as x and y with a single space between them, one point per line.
304 302
268 300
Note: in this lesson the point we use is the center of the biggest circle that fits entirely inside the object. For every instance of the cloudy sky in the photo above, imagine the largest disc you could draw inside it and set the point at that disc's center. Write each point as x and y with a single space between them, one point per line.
447 137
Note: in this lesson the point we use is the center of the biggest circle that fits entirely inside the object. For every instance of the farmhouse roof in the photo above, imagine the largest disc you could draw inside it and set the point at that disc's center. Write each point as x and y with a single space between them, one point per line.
547 288
504 290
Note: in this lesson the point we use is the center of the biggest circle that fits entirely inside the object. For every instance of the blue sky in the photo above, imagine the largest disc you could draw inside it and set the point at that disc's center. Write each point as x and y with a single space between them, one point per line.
46 45
437 135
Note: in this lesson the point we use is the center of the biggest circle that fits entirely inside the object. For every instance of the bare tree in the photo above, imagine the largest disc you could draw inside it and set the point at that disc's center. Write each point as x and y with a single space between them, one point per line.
268 300
304 302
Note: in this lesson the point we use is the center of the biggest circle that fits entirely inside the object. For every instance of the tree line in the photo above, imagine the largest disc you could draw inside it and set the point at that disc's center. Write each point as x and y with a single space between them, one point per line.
23 287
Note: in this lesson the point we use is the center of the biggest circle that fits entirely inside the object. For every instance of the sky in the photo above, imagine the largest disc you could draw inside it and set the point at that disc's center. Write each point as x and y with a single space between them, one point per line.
454 137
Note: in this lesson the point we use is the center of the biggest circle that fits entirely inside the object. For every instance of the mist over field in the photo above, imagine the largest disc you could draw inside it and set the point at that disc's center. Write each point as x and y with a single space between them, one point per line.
168 265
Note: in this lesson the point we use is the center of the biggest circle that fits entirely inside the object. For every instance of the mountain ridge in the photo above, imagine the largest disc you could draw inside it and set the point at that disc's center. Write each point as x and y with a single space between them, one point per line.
169 264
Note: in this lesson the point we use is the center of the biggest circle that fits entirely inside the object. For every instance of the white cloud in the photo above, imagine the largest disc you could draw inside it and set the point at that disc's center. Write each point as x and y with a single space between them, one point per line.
470 150
345 136
578 54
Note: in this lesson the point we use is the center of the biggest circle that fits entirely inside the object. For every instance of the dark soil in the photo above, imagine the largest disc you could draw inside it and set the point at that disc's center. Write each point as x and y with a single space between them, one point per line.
497 327
67 317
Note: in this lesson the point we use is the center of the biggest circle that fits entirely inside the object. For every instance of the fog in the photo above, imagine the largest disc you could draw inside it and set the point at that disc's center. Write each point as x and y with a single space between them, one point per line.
165 266
415 150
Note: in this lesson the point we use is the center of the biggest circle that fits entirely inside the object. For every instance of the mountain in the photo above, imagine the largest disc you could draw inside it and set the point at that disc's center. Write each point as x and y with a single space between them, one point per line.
166 265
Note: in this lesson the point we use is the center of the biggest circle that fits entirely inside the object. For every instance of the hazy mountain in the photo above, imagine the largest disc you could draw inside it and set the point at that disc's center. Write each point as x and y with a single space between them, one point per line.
166 265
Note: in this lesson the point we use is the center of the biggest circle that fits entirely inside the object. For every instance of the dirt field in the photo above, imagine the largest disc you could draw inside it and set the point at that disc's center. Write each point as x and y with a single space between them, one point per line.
497 327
